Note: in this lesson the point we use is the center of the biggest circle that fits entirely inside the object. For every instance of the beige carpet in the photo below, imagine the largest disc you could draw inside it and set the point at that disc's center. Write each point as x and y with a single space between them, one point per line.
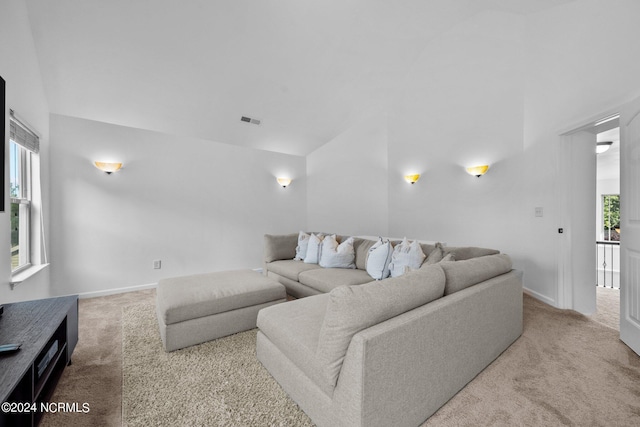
607 307
95 376
564 370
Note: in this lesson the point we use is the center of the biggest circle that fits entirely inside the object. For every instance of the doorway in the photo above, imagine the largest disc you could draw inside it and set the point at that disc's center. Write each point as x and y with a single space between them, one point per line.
573 290
608 228
580 207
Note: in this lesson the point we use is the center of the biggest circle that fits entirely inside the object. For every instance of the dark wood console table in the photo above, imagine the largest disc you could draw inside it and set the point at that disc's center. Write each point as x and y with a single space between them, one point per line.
48 332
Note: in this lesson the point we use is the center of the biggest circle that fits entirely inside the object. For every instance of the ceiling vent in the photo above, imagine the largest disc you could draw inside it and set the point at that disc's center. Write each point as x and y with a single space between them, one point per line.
250 120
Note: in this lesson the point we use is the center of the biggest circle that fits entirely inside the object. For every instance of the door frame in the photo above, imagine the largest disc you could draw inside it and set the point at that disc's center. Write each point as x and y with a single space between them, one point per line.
566 291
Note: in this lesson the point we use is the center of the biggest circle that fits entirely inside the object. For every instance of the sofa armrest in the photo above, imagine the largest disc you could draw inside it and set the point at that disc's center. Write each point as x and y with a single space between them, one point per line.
401 371
468 252
282 246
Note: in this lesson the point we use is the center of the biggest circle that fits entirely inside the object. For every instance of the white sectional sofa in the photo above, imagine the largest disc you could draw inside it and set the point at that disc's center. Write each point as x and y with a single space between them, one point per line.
359 352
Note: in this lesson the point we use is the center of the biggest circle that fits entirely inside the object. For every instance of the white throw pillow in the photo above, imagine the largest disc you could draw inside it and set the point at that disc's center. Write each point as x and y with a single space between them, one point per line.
406 257
334 255
379 259
303 243
314 247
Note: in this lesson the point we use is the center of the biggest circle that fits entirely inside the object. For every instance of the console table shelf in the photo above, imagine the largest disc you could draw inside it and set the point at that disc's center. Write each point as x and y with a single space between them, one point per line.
48 332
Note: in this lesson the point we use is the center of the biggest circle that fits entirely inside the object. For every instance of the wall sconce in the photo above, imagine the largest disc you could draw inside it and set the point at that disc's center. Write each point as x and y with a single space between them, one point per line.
108 167
284 181
412 179
601 147
478 171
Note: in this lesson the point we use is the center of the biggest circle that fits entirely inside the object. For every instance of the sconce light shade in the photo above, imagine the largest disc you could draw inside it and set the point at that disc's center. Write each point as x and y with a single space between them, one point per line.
108 167
412 179
478 170
603 146
284 181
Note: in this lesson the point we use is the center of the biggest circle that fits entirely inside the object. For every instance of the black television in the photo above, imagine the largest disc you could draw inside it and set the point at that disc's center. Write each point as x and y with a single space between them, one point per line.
2 127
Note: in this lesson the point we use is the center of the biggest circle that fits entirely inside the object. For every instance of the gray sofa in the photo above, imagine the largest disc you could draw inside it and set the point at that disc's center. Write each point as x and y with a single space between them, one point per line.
389 352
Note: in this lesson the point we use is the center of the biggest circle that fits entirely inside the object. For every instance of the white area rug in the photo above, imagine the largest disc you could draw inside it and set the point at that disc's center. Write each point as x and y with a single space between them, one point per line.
219 383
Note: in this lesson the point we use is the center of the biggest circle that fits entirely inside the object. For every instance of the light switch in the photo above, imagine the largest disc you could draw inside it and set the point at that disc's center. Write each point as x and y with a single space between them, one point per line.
539 212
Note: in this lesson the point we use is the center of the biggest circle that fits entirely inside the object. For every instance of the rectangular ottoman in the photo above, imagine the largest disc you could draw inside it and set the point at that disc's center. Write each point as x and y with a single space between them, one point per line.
195 309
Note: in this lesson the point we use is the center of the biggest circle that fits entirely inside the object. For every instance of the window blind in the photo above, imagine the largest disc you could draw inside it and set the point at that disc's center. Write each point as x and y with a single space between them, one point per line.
22 135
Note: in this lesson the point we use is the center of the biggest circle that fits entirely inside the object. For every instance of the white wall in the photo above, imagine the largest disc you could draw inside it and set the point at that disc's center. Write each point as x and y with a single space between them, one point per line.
25 95
461 105
501 89
198 206
347 178
574 73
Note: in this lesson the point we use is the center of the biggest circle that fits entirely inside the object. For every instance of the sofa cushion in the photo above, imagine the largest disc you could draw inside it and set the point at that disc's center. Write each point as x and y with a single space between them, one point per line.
290 269
467 252
361 248
449 257
326 279
279 246
436 255
427 248
190 297
353 308
462 274
294 328
337 255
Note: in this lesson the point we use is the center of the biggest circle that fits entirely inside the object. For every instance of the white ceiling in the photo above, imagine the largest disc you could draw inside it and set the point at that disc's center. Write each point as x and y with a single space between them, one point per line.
307 69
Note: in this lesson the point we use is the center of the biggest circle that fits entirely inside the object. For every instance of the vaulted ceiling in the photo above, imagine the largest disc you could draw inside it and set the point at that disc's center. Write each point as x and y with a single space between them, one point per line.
307 69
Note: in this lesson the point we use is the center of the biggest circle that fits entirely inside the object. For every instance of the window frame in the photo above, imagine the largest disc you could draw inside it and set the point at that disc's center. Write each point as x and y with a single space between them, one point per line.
607 236
24 202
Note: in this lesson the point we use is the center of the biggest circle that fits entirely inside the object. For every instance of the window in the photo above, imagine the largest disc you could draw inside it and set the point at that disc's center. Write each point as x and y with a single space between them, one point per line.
23 143
611 216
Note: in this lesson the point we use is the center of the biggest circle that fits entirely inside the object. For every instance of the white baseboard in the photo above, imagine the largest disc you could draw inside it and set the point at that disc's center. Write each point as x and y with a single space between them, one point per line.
545 299
127 289
116 291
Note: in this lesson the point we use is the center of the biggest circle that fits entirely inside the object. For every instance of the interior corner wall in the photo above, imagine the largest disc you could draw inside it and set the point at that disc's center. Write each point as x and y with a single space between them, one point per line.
573 75
25 95
347 181
461 106
198 206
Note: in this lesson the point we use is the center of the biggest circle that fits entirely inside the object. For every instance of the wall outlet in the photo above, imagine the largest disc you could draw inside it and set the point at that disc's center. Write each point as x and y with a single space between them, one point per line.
539 212
157 264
